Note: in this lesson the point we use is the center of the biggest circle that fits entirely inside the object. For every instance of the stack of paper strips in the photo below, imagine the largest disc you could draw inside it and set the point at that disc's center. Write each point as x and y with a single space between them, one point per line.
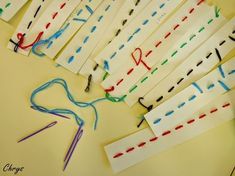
166 55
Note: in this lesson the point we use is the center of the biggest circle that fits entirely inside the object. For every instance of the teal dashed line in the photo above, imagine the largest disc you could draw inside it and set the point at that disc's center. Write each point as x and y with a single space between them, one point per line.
192 97
130 38
169 113
137 30
145 22
210 86
173 54
132 89
181 105
183 45
89 9
162 5
154 71
49 45
164 62
122 46
71 59
157 121
93 29
210 21
201 29
107 8
86 39
231 72
79 49
143 80
192 37
79 12
154 13
100 18
223 85
113 55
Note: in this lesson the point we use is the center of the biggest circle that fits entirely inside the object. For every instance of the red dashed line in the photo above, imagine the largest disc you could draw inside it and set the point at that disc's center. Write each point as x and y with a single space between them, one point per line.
141 144
185 18
226 105
54 15
130 71
158 44
190 121
148 53
179 127
168 132
202 116
110 89
191 10
167 35
119 82
153 139
200 2
213 110
176 26
62 5
130 149
48 25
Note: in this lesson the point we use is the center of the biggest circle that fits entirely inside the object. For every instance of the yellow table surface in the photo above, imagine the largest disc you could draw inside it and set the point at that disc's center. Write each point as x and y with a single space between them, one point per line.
210 154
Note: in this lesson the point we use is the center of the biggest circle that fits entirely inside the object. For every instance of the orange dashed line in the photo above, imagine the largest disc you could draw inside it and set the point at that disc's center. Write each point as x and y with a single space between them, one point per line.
48 25
179 127
213 110
200 2
166 133
130 149
117 155
176 26
141 144
130 71
202 116
184 18
54 15
226 105
148 53
62 5
159 43
190 121
191 10
167 35
153 139
119 82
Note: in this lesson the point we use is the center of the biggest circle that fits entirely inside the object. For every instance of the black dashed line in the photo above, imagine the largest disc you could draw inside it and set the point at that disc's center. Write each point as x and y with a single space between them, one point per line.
180 81
171 89
189 72
208 55
199 63
159 99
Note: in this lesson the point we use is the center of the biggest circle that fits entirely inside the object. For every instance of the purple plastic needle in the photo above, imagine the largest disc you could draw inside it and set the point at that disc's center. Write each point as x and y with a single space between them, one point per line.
77 138
44 128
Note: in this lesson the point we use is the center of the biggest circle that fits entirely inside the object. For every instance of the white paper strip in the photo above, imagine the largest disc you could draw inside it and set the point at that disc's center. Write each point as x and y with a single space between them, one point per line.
127 13
123 81
33 13
180 50
8 8
76 20
114 55
143 144
80 47
195 66
191 99
49 22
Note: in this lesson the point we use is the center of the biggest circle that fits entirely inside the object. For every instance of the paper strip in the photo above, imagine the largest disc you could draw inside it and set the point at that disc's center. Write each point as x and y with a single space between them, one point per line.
114 55
80 47
192 39
49 22
33 13
191 99
127 13
195 66
144 144
76 20
132 72
8 8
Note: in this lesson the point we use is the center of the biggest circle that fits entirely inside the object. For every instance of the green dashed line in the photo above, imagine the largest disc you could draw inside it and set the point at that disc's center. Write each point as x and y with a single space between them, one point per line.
7 5
200 30
164 62
217 12
1 11
154 70
210 21
192 37
132 89
143 80
173 54
183 45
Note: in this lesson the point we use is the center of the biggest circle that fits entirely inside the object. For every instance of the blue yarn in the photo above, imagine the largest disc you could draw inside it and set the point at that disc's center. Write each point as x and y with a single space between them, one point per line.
48 41
80 104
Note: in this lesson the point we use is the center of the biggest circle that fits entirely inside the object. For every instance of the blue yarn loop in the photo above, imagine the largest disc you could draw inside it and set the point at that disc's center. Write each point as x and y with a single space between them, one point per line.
48 40
80 104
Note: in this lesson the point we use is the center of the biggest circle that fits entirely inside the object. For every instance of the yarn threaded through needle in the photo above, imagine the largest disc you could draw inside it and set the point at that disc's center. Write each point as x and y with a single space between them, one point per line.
79 104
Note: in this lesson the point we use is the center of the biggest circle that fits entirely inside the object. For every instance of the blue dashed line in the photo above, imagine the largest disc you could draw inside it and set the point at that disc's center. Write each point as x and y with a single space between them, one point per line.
79 49
122 46
113 55
145 22
89 9
154 13
221 71
224 85
210 86
71 59
197 87
137 30
106 65
100 18
93 29
79 19
192 97
130 38
169 113
107 8
157 121
79 12
162 5
86 39
181 105
49 45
